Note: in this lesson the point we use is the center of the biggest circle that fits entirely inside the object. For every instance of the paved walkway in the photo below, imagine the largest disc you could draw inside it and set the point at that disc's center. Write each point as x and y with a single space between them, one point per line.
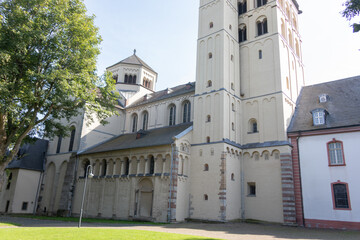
238 231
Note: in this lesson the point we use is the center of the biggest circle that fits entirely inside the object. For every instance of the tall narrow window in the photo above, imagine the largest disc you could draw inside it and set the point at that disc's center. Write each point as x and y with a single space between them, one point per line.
86 164
242 7
104 168
152 165
130 79
187 112
260 54
172 115
9 181
209 83
318 117
210 55
251 189
341 196
242 34
211 24
134 123
208 118
145 120
260 3
208 139
126 80
335 153
72 138
59 144
127 166
134 79
262 27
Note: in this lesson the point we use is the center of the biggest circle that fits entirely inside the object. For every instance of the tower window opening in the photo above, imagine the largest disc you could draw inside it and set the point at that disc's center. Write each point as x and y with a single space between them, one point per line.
206 167
208 139
262 27
187 112
232 86
253 126
208 118
210 55
260 3
172 115
232 57
230 27
206 197
260 54
242 7
134 123
233 126
209 83
233 107
242 34
145 120
211 25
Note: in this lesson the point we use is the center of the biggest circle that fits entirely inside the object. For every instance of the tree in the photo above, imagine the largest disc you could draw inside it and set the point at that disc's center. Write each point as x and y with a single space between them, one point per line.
351 11
48 51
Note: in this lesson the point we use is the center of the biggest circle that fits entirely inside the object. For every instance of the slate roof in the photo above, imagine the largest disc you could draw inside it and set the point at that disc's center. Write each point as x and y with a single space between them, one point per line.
33 156
343 105
134 60
166 93
153 137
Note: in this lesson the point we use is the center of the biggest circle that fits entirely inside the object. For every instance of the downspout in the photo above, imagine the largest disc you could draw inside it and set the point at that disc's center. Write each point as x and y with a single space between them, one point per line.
171 182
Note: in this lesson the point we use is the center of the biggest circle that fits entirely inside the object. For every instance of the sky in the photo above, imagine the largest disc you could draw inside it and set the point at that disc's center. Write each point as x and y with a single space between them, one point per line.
164 34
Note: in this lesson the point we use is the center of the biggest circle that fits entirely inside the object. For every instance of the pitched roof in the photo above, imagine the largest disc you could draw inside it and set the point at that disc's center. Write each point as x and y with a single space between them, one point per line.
164 94
33 156
150 138
343 105
134 60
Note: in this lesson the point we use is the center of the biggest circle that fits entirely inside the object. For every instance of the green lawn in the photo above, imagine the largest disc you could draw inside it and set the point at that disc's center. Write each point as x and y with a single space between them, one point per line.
88 220
88 234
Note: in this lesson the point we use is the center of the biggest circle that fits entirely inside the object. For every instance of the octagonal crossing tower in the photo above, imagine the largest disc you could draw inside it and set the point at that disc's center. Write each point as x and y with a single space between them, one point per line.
249 74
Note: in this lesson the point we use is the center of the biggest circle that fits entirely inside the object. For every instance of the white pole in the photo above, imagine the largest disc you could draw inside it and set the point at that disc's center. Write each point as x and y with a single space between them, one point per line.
87 174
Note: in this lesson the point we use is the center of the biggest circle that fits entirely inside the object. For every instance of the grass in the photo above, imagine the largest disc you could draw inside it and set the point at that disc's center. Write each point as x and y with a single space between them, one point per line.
87 220
6 224
89 234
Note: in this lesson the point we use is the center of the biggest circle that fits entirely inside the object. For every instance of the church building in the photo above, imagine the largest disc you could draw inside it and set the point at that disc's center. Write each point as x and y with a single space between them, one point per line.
215 149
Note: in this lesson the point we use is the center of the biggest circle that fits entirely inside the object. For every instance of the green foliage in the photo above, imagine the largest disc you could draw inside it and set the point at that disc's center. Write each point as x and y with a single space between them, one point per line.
48 52
351 11
89 233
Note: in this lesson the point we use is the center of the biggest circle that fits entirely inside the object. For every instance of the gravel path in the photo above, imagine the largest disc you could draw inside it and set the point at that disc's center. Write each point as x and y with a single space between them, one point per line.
238 231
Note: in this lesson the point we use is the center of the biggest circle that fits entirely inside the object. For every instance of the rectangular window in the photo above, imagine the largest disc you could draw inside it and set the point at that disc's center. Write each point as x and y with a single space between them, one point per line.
24 206
59 144
251 189
341 196
335 153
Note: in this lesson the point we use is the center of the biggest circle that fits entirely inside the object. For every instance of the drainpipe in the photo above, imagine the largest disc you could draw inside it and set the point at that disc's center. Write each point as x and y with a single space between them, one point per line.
302 200
171 182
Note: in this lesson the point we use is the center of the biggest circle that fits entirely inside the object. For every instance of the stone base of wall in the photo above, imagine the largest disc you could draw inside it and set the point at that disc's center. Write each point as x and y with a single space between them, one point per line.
315 223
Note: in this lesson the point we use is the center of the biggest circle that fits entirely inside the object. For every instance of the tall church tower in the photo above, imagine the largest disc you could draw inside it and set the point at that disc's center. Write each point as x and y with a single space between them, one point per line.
249 74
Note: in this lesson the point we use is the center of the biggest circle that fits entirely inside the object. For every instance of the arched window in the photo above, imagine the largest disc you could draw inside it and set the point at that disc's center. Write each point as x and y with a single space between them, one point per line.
172 115
104 167
126 78
260 54
134 79
233 126
186 112
260 3
242 34
72 138
211 24
130 79
208 139
85 166
210 55
335 153
262 27
127 166
209 83
145 120
242 7
232 177
152 165
134 122
206 167
9 181
233 107
208 118
253 126
58 147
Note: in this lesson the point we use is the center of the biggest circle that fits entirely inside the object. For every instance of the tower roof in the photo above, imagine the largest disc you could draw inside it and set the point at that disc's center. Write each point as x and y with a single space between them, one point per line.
134 60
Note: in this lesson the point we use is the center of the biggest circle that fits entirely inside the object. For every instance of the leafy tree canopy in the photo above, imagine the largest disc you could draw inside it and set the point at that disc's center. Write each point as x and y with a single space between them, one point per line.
48 52
351 11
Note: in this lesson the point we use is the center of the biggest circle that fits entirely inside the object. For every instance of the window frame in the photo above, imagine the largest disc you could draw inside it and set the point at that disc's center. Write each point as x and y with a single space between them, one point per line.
134 122
314 117
186 111
172 115
347 195
335 149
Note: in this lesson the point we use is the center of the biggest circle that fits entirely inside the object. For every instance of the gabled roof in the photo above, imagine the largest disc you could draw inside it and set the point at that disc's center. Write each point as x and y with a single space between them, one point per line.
32 156
134 60
164 94
342 106
150 138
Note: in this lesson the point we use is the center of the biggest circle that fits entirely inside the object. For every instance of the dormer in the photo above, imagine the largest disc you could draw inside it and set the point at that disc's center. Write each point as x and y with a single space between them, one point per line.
323 98
319 116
